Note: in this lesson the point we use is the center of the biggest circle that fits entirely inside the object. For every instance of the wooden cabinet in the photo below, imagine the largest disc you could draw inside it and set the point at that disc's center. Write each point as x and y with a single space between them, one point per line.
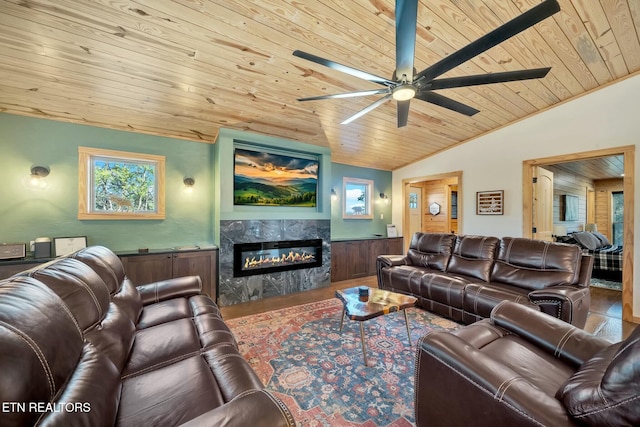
8 269
148 268
351 259
375 248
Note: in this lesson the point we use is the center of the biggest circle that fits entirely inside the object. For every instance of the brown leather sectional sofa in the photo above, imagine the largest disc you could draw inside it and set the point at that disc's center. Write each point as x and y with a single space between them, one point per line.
82 345
524 368
465 277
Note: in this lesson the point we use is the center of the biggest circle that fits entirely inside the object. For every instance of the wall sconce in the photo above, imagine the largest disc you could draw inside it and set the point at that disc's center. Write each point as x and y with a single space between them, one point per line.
385 198
188 184
334 195
38 175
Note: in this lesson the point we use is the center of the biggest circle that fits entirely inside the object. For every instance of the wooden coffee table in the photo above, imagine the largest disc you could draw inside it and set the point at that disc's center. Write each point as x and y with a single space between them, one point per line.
379 303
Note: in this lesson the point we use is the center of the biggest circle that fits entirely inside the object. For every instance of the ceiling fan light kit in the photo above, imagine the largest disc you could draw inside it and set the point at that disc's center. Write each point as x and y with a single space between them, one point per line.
404 92
406 84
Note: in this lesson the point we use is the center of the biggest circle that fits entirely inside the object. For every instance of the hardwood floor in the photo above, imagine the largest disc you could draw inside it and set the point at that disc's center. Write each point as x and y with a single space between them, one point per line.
605 317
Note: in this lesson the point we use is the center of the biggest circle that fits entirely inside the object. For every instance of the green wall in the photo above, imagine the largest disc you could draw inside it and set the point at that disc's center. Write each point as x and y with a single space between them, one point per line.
26 213
348 228
191 218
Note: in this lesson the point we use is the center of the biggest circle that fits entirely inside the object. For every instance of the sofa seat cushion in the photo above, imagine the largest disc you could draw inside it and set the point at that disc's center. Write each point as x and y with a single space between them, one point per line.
195 325
403 278
185 389
526 360
162 345
170 395
480 299
443 288
164 312
605 390
474 256
176 308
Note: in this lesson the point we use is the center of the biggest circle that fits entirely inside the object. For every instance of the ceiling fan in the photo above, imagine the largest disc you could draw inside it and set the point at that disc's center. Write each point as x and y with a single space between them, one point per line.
407 84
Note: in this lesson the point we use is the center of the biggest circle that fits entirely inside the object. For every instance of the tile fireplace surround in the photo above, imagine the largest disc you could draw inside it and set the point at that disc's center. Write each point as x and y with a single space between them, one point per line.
234 290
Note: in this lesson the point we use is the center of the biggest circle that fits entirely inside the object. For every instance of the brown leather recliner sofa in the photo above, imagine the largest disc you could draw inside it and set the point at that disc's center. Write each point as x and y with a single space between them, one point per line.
524 368
80 344
465 277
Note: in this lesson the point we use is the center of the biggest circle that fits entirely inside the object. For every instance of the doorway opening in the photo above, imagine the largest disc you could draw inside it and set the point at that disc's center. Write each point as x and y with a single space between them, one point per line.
432 204
590 217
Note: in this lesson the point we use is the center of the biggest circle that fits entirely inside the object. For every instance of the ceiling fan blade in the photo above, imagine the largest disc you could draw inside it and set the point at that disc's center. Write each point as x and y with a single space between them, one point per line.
445 102
346 95
406 17
403 112
343 68
497 36
364 111
483 79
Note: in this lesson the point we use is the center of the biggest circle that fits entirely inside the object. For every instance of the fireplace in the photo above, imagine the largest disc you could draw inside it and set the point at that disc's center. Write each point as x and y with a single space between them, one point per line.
268 257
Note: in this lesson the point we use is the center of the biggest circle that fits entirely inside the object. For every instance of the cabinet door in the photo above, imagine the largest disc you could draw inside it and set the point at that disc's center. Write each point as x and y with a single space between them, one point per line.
376 247
395 246
358 259
143 269
201 263
339 270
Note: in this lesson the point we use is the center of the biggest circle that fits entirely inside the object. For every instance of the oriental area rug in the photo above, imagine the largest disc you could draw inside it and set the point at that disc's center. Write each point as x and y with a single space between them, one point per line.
319 372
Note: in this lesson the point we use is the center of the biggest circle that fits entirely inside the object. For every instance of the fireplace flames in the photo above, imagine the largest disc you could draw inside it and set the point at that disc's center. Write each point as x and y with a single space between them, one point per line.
292 257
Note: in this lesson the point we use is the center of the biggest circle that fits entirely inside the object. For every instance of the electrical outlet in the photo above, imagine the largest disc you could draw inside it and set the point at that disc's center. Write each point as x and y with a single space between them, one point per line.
381 216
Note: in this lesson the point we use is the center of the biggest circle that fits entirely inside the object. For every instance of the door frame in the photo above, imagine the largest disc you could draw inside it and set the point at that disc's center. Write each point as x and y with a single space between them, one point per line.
628 152
405 212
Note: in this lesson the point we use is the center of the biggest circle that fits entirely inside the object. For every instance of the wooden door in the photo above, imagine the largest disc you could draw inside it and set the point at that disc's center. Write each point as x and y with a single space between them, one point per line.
414 206
543 204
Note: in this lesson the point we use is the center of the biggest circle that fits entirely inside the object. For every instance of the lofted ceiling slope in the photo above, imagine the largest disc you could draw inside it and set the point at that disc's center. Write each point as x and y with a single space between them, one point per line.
186 68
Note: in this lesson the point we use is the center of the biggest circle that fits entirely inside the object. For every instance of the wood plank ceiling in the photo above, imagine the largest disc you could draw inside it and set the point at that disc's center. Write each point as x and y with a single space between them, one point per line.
186 68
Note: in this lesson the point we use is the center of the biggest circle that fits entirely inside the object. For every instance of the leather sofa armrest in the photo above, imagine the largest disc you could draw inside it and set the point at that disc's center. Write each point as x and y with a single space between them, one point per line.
476 383
564 341
172 288
391 260
266 410
569 303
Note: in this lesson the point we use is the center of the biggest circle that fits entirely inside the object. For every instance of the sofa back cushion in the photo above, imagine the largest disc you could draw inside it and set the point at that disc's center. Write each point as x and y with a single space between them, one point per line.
40 344
474 256
81 289
536 264
104 303
606 388
431 250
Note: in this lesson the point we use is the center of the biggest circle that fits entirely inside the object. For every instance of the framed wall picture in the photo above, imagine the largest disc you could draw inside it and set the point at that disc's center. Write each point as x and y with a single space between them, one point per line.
264 178
67 245
490 202
357 198
120 185
569 207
